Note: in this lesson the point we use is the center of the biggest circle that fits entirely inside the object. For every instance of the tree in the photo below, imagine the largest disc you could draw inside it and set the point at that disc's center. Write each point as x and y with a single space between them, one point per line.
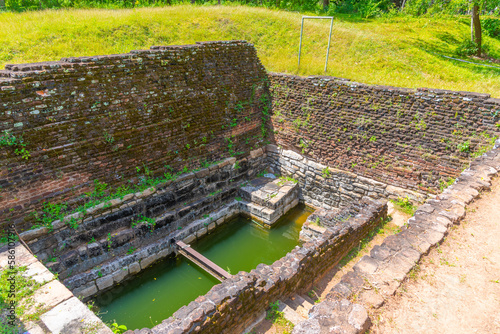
476 35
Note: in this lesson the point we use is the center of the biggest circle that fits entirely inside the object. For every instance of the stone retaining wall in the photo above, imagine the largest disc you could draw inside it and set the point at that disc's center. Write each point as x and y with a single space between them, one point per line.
103 117
232 306
328 187
377 276
408 138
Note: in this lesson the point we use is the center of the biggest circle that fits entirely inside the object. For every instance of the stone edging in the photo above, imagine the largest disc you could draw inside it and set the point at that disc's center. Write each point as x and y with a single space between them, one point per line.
377 276
61 311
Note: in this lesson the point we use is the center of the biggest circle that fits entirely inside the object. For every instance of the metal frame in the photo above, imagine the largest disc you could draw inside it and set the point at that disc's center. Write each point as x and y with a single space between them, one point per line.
329 37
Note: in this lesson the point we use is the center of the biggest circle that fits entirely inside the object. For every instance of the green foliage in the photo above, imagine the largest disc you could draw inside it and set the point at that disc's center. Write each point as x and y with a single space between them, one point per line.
284 179
108 138
466 48
445 184
304 145
491 27
404 204
131 250
278 317
51 212
25 287
325 173
10 140
464 147
118 329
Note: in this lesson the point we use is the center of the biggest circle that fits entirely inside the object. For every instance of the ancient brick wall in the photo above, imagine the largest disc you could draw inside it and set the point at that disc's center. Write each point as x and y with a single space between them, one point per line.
416 139
114 117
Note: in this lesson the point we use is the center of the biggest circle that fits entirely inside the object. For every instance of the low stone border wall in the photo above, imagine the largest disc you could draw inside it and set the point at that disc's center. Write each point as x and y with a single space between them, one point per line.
377 276
60 311
330 188
232 306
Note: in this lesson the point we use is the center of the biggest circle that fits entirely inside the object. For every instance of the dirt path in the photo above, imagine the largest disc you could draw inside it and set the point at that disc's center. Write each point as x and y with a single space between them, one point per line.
456 288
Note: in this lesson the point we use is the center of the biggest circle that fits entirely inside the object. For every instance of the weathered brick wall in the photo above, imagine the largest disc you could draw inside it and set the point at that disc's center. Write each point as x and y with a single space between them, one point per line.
407 138
102 117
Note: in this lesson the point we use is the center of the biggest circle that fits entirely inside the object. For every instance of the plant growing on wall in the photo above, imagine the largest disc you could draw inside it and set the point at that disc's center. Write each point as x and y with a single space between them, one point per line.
9 140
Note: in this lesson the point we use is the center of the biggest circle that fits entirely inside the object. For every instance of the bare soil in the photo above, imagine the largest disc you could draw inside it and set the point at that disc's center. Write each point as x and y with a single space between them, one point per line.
456 287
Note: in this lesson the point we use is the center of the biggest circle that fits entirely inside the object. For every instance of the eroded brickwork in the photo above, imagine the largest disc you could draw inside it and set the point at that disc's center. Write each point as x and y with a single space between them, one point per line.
108 117
415 139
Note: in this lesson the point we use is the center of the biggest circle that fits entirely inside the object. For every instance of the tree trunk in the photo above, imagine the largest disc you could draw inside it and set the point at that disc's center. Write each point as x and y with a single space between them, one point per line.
326 3
2 3
403 5
477 28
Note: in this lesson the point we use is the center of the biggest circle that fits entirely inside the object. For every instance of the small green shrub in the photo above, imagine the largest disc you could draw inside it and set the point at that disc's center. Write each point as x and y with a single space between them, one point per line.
464 147
404 204
118 329
8 139
326 173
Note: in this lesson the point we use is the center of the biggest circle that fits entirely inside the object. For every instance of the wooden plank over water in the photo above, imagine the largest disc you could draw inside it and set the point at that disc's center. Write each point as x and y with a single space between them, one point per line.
202 261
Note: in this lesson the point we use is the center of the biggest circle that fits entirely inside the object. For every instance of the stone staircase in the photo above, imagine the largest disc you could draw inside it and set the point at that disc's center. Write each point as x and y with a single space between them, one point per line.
296 308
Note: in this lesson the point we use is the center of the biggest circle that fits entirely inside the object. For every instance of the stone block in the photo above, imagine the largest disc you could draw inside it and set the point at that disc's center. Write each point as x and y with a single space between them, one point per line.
72 317
120 275
134 268
149 260
50 295
38 272
86 291
104 282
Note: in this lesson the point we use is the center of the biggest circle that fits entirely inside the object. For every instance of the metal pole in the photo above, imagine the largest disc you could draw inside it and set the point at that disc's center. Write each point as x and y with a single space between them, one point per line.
329 36
329 40
300 43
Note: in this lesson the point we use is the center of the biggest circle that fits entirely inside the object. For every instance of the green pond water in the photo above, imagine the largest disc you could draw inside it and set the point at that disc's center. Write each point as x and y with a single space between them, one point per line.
156 293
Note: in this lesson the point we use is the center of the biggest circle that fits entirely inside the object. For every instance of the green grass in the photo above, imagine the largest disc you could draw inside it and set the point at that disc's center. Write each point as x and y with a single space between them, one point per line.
400 51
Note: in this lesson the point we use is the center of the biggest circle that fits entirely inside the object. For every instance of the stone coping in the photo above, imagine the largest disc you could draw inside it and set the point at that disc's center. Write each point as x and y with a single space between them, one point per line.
421 91
60 311
377 276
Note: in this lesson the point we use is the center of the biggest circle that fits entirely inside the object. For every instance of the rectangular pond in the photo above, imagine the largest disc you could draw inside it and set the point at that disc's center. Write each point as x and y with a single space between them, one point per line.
157 292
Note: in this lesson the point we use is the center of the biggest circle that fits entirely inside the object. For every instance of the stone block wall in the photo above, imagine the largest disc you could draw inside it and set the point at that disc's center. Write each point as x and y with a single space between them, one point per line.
330 188
106 117
408 138
232 306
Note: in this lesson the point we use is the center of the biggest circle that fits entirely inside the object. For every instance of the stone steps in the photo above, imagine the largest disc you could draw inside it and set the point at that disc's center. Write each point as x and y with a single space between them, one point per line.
266 199
295 309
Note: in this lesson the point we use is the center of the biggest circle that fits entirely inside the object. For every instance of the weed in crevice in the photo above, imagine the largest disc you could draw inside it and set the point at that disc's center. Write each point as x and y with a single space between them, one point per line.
326 173
9 140
404 205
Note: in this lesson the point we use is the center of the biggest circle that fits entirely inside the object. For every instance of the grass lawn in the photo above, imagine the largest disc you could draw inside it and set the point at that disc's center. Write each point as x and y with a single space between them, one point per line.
400 51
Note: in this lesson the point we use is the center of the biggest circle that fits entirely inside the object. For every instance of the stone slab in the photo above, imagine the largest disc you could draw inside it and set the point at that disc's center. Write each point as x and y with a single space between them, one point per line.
72 317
